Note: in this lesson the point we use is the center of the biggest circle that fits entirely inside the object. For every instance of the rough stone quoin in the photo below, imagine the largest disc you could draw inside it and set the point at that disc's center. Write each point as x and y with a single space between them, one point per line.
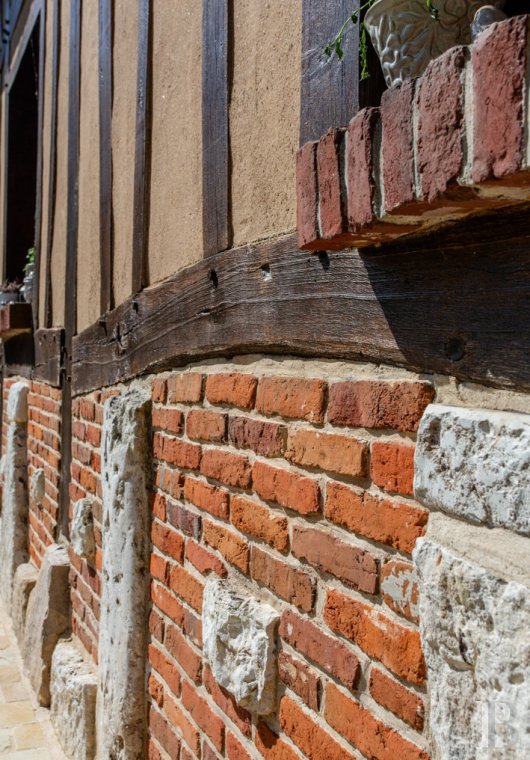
82 530
239 634
474 630
73 702
47 619
15 500
475 463
125 576
23 584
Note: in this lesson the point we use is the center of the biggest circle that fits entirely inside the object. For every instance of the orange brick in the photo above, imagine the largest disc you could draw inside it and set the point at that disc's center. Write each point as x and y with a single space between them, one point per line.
392 466
288 489
184 388
230 469
161 731
233 547
308 736
395 523
187 587
293 397
158 506
180 720
231 388
379 404
271 746
167 540
225 701
234 748
159 568
207 497
301 679
171 420
365 731
397 647
165 668
203 715
203 560
396 698
342 454
184 654
159 390
330 654
203 425
176 452
288 582
260 522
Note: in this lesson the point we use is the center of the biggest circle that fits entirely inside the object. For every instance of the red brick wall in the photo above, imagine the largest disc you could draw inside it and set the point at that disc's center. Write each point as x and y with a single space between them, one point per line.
304 488
44 451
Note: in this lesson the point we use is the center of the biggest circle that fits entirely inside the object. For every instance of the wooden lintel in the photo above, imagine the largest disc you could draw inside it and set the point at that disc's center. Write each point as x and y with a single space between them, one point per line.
455 302
49 346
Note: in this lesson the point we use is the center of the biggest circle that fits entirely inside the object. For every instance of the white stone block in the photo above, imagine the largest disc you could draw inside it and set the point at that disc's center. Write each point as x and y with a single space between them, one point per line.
73 702
17 403
47 619
239 635
475 636
23 584
475 463
37 487
82 530
125 576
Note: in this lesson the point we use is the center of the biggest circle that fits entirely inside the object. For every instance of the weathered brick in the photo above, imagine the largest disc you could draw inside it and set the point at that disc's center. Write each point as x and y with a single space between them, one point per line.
499 75
397 524
226 467
165 668
171 420
365 731
309 736
265 438
204 425
396 698
288 489
350 564
184 654
301 679
292 397
234 749
159 390
440 105
379 404
167 540
203 560
183 519
360 172
327 652
288 582
232 546
226 702
398 146
231 388
184 388
342 454
399 588
397 647
187 587
160 730
203 715
270 746
260 522
332 222
207 497
392 466
159 567
176 452
306 194
180 720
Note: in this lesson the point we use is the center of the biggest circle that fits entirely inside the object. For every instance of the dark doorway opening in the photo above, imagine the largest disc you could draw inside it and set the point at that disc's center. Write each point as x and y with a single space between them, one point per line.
22 151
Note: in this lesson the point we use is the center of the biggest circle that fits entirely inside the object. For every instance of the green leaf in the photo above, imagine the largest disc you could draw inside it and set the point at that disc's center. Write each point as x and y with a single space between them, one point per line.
327 51
339 51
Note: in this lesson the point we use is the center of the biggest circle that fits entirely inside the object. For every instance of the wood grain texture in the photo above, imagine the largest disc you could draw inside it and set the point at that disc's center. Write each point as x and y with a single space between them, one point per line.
105 154
49 345
215 179
142 148
456 302
52 172
38 200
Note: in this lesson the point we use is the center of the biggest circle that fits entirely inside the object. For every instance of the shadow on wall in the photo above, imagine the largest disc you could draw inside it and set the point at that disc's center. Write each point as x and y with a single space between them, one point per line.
458 299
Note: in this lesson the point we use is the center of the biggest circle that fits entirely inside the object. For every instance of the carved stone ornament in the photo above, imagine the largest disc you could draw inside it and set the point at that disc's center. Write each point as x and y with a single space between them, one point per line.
406 37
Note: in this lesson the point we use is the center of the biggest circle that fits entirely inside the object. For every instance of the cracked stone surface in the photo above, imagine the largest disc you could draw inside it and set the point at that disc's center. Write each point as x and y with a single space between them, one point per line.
125 591
475 463
239 634
82 530
474 629
25 579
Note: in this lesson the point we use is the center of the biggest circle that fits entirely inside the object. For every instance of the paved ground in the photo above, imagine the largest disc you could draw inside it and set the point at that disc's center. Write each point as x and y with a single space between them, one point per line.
25 730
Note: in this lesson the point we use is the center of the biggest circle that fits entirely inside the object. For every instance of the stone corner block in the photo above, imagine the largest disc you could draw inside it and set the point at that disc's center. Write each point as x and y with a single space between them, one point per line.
23 584
239 634
17 404
82 530
475 463
47 619
474 630
37 486
73 689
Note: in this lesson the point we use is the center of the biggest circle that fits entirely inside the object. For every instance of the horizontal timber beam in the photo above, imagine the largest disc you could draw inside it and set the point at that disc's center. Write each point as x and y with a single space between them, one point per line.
49 346
455 302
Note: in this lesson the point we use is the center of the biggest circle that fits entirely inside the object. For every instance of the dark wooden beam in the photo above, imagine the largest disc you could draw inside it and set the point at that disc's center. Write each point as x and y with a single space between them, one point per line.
215 177
72 218
142 149
447 303
38 200
49 345
52 171
26 30
105 154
